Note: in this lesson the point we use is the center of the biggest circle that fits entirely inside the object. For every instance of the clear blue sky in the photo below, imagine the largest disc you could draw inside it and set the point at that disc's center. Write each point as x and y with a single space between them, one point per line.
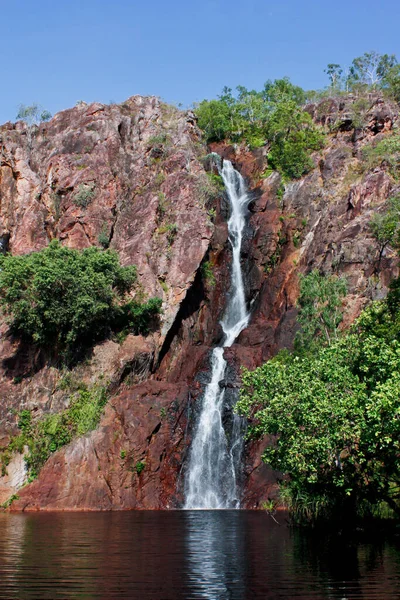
56 52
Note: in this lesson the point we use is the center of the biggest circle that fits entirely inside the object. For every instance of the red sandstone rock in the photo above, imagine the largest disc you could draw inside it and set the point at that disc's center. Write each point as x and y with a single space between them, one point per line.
322 221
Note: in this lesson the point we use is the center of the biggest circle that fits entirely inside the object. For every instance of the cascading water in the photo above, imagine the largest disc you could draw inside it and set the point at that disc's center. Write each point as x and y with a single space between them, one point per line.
211 480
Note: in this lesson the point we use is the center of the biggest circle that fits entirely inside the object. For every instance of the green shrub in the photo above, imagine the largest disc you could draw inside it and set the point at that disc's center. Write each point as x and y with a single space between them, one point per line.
45 436
103 238
139 467
171 229
159 139
162 206
8 502
275 115
64 299
84 195
385 226
386 152
333 415
208 274
320 308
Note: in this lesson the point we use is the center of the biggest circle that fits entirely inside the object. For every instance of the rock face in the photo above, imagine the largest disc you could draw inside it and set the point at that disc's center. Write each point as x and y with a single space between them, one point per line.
138 167
126 177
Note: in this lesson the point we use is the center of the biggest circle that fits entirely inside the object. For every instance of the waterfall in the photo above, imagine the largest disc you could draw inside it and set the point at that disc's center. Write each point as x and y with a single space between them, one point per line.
211 480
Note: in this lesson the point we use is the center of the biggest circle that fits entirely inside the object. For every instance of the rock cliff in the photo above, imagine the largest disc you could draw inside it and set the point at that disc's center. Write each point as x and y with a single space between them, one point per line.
130 177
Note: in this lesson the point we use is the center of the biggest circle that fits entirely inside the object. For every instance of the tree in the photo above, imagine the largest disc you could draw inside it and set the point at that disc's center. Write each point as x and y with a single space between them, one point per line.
320 304
63 299
32 115
385 226
283 89
215 118
274 115
371 68
334 72
391 82
292 136
335 420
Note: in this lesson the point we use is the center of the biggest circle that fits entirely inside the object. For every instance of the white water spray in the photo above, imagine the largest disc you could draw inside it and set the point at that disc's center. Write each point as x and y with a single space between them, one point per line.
211 480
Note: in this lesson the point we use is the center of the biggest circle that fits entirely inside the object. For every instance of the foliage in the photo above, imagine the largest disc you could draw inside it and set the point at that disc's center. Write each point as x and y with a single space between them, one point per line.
103 238
391 82
386 152
208 274
359 112
371 68
33 114
292 136
335 420
10 500
209 188
139 467
84 195
385 226
171 229
162 205
320 312
273 115
45 436
334 72
63 299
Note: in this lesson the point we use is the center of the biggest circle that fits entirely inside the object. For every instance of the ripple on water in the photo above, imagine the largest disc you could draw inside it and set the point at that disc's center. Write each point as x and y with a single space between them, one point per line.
185 555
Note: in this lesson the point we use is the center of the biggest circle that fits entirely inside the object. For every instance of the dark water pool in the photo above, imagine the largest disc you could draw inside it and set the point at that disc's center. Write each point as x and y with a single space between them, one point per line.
185 555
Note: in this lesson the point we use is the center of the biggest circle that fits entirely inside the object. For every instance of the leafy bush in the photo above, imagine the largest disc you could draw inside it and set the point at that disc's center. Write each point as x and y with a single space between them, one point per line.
320 308
335 420
104 238
386 152
292 136
273 115
208 273
84 195
139 467
391 83
385 226
45 436
64 299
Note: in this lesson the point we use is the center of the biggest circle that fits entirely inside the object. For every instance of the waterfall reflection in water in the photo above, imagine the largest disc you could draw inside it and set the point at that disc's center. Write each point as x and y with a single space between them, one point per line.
186 555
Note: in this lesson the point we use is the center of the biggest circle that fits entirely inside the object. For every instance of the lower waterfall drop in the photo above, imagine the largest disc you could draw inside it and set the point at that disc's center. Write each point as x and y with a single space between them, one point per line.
211 479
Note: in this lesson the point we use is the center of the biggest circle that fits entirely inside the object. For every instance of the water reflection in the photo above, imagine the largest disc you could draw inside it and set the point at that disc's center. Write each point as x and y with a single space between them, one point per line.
216 554
186 555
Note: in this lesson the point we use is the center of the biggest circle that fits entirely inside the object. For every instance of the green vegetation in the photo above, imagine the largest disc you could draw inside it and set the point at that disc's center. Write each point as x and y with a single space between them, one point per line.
171 229
33 114
139 467
64 299
45 436
320 313
8 502
208 273
273 115
162 205
104 238
334 415
385 226
386 152
84 195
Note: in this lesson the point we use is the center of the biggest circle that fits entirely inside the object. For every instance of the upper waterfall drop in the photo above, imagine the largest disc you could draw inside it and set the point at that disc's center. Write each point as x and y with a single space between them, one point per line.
214 458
